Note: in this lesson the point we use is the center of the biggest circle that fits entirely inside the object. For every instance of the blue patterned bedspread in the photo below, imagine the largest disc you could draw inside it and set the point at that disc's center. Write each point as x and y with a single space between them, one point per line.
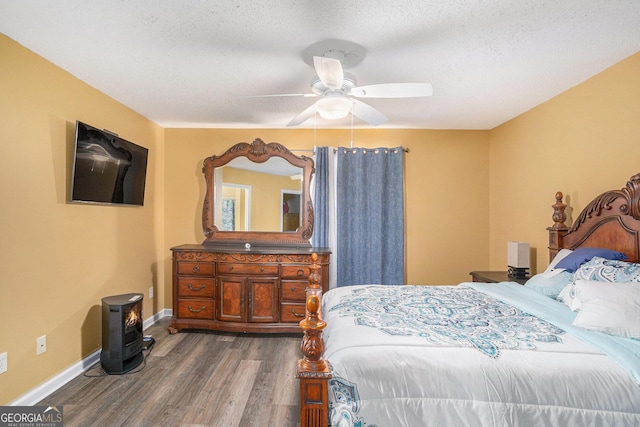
455 316
406 355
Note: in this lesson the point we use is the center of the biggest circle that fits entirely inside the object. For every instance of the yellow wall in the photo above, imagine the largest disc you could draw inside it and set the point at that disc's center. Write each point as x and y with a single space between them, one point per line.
583 142
57 260
446 234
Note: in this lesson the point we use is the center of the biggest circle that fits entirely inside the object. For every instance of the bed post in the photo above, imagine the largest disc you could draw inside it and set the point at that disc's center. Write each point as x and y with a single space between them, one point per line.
558 230
313 370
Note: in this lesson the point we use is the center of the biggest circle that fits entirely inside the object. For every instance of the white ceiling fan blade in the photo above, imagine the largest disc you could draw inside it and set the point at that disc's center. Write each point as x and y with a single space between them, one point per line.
393 90
367 113
329 71
304 116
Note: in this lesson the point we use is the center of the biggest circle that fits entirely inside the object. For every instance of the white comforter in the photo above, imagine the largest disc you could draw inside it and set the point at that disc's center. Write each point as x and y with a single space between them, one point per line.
437 360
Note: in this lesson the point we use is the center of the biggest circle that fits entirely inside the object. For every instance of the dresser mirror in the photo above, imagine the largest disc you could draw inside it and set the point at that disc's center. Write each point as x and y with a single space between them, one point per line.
258 194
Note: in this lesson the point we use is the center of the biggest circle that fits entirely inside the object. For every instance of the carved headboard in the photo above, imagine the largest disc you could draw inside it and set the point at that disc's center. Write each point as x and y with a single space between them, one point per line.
611 220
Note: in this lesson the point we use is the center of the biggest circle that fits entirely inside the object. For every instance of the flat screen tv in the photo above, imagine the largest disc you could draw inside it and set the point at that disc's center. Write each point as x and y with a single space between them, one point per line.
107 169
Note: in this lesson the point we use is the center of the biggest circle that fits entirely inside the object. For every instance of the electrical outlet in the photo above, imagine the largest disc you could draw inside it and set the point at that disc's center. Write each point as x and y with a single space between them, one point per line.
3 362
151 292
41 344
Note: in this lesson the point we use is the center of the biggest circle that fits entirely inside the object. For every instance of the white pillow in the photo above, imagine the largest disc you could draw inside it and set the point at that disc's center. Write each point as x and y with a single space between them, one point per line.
550 285
556 259
552 280
568 296
612 308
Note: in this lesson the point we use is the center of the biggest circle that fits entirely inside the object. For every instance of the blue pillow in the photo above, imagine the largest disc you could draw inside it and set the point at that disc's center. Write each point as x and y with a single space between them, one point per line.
549 286
573 261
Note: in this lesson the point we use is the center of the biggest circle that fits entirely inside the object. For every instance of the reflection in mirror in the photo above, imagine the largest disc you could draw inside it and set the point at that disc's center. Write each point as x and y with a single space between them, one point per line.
290 210
259 194
234 210
250 196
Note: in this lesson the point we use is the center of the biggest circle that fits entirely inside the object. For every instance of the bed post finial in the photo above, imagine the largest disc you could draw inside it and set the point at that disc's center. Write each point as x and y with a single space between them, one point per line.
559 217
558 230
313 370
314 275
312 345
312 325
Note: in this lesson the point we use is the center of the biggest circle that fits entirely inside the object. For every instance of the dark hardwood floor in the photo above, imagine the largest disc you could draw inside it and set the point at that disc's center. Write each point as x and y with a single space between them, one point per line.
192 379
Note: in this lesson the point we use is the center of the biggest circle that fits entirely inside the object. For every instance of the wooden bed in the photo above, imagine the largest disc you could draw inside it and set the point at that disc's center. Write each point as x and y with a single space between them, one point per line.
611 220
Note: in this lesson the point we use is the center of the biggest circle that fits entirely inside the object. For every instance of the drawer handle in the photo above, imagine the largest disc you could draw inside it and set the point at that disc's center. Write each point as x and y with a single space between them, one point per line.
300 272
230 267
195 269
293 289
293 311
261 268
197 311
190 286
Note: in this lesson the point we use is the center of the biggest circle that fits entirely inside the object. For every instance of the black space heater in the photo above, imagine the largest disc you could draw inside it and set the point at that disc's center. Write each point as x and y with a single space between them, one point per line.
122 338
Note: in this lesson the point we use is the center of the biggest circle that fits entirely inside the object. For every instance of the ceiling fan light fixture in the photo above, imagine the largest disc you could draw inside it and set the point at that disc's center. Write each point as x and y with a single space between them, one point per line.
334 107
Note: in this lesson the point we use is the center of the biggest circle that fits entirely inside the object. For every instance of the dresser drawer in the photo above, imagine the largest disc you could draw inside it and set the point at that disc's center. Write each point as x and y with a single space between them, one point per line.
195 268
292 313
247 269
293 290
196 308
196 287
295 272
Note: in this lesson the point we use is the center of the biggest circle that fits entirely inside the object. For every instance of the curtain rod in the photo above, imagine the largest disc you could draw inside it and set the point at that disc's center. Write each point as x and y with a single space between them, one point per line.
406 150
335 150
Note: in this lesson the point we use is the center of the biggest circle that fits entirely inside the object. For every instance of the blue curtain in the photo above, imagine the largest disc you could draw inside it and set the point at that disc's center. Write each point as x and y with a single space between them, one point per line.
320 237
370 216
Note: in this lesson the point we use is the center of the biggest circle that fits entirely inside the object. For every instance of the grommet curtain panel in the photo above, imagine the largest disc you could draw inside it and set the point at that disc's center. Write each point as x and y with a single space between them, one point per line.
321 199
323 189
370 216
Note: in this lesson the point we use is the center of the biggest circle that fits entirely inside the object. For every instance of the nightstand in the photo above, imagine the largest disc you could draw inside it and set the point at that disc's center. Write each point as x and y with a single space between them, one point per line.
495 277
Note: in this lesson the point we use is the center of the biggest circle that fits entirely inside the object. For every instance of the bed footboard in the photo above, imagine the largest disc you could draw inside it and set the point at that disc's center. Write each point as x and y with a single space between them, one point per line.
313 370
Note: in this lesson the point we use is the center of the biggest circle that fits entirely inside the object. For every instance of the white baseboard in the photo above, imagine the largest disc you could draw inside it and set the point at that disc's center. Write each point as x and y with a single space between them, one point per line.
165 312
38 393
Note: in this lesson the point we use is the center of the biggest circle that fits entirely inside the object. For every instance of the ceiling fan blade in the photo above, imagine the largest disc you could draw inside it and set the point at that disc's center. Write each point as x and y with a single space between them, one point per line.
304 116
393 90
329 71
367 113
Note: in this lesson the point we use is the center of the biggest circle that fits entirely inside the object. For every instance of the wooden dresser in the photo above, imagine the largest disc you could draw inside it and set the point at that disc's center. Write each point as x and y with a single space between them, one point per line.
256 290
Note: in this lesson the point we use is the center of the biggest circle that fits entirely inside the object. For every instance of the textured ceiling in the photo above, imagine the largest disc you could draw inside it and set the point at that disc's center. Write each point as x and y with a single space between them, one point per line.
197 63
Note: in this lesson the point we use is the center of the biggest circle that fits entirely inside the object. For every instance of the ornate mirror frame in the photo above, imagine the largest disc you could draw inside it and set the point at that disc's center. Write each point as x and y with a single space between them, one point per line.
258 152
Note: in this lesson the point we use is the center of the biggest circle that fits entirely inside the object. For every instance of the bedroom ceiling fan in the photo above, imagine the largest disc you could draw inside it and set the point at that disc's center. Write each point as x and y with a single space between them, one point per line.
339 95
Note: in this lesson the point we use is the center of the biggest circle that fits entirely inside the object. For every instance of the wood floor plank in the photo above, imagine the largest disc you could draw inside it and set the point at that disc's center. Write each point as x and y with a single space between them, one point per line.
207 404
234 400
192 379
